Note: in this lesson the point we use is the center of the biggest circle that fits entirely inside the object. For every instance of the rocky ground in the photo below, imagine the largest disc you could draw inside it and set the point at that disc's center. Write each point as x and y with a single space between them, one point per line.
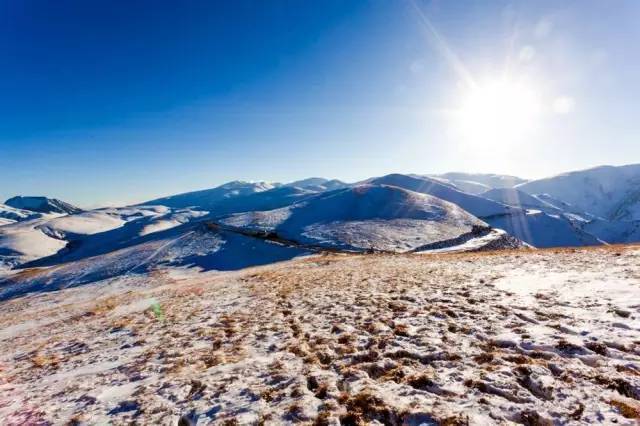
533 337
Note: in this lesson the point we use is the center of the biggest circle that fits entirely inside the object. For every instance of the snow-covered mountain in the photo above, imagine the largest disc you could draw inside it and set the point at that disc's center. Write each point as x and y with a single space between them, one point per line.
42 205
536 228
207 199
477 183
516 198
318 184
369 216
241 196
610 192
477 206
10 214
265 200
395 212
71 237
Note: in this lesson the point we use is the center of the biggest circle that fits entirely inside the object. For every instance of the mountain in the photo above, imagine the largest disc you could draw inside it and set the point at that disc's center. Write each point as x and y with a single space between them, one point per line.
239 196
265 200
543 230
477 206
71 237
369 216
208 199
476 183
536 228
190 244
614 232
516 198
42 205
318 184
610 192
10 214
465 185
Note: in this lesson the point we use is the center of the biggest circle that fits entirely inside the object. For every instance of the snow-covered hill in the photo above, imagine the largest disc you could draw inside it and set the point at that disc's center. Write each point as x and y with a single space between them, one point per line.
318 184
533 227
190 244
477 183
516 198
265 200
477 206
42 205
240 196
363 217
10 214
207 199
612 193
70 237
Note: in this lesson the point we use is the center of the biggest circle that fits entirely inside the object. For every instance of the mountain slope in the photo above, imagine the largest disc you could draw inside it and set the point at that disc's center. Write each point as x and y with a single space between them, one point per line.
477 206
516 198
543 230
609 192
207 199
264 200
514 337
64 238
381 217
10 214
318 184
474 182
190 244
538 230
42 205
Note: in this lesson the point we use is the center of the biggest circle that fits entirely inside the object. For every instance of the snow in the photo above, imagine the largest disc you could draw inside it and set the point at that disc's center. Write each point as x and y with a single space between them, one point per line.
10 214
477 206
85 234
489 180
614 231
543 230
542 336
208 198
516 198
609 192
42 205
318 184
23 241
363 217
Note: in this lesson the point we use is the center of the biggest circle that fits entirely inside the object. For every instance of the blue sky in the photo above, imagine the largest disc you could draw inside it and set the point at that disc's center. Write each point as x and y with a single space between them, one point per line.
109 102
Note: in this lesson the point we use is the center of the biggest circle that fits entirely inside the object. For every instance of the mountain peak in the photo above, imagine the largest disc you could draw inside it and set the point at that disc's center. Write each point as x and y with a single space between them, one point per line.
42 204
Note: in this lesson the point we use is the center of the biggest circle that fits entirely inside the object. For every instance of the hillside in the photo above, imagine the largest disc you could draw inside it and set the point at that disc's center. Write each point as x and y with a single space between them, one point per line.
531 337
207 199
477 183
71 237
612 193
516 198
476 205
534 228
364 217
42 205
10 214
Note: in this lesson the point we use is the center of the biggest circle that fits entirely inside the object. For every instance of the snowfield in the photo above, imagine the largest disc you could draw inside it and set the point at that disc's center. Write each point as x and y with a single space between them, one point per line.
380 217
609 192
534 337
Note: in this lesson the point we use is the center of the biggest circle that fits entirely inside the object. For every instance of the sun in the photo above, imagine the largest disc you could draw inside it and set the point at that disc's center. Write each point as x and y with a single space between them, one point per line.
497 113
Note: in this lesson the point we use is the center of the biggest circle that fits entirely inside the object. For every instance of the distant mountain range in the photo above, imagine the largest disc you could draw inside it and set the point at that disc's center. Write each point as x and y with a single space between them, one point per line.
240 223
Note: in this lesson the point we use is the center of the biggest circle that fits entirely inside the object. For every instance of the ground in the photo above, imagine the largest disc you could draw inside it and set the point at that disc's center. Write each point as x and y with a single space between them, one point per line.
533 337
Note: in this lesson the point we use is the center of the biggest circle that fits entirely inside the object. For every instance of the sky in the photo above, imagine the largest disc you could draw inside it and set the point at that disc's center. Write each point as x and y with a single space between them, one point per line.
110 103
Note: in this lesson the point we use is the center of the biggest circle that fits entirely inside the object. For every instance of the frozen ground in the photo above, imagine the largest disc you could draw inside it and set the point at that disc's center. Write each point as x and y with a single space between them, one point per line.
531 337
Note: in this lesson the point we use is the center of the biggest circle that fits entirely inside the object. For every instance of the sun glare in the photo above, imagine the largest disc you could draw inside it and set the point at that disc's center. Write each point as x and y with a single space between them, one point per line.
497 113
